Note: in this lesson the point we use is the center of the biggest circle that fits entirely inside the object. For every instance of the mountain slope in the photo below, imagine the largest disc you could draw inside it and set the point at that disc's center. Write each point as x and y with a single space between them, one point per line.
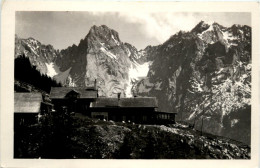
203 74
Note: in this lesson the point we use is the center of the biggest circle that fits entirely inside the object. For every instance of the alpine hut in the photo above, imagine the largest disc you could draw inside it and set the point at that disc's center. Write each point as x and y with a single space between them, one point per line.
27 106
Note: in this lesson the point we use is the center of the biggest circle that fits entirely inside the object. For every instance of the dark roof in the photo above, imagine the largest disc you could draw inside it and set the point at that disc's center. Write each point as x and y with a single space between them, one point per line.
27 102
125 102
61 92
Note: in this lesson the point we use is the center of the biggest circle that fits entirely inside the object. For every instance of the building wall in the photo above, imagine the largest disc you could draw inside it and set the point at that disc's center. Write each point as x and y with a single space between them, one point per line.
78 105
136 115
118 114
164 118
100 115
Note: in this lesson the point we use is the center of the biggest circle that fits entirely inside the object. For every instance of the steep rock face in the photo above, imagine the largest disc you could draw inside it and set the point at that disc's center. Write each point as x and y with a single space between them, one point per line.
204 74
107 61
102 56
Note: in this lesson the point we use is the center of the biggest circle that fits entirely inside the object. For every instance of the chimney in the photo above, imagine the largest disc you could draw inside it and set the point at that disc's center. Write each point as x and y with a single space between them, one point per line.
118 96
134 94
95 84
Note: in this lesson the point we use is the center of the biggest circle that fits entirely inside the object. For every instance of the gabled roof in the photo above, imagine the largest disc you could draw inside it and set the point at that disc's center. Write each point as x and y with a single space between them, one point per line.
145 102
72 92
61 92
27 102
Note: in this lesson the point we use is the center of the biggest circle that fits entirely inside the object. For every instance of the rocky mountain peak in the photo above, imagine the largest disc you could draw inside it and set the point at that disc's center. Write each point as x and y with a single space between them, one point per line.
100 56
206 26
103 34
201 26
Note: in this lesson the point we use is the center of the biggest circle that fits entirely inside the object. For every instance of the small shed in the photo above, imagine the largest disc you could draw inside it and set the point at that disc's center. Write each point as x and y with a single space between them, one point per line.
26 107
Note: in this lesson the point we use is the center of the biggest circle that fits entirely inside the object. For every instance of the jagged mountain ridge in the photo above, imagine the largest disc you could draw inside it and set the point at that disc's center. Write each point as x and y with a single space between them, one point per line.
100 55
204 74
40 55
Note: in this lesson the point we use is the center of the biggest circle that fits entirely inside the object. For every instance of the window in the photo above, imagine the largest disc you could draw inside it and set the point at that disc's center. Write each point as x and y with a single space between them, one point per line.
133 118
144 118
113 118
124 118
99 115
164 116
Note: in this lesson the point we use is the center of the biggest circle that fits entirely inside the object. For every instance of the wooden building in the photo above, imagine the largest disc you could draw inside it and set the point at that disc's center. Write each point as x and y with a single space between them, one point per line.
75 99
137 109
27 107
86 101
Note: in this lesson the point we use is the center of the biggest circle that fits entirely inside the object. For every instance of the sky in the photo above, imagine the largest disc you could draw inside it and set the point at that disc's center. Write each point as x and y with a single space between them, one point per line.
63 29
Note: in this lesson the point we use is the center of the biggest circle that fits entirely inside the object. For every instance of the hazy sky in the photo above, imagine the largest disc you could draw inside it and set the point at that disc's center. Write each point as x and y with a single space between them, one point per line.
62 29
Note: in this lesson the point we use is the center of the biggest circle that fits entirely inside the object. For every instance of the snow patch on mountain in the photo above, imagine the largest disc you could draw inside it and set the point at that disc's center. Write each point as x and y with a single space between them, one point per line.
158 86
233 122
70 82
51 71
111 55
117 43
136 71
228 36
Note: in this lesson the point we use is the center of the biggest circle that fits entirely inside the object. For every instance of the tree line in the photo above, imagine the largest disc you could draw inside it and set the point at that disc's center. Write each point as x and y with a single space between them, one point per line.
26 72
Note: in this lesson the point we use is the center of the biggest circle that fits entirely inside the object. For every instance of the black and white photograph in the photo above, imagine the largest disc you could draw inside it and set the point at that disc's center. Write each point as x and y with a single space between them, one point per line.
132 85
